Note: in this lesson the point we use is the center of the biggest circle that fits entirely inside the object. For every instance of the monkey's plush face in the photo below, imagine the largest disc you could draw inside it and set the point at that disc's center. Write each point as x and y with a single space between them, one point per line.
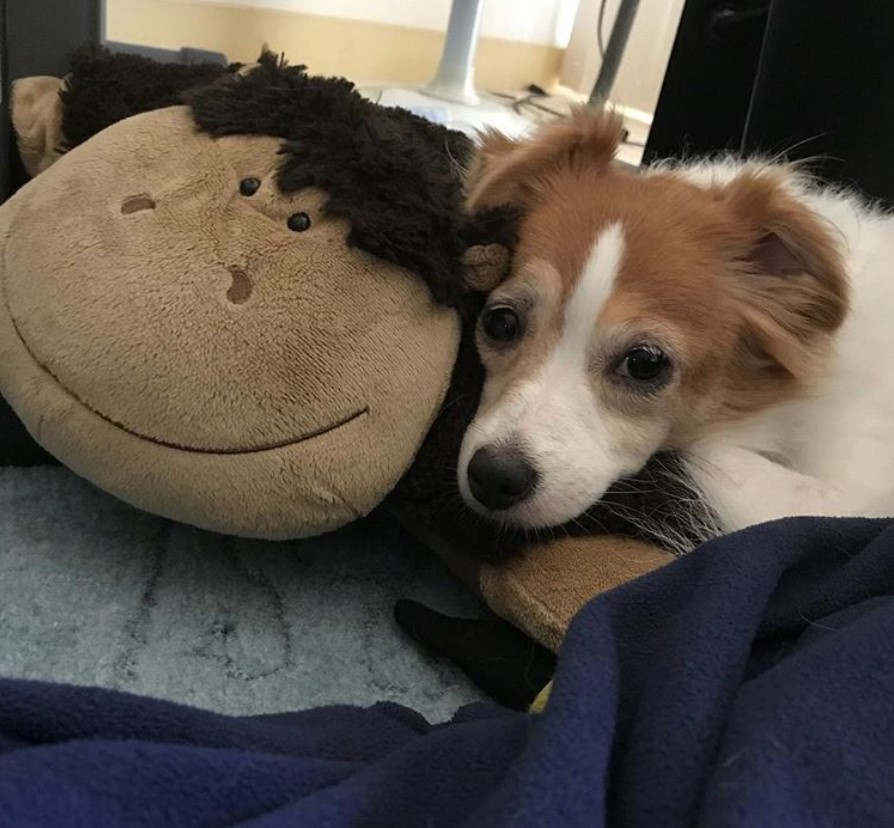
180 331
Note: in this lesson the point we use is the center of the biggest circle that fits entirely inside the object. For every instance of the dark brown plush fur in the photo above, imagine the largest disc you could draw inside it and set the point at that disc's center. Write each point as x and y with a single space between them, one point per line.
104 88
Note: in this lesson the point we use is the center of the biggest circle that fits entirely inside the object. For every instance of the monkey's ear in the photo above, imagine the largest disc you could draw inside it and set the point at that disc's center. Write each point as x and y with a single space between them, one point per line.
36 114
486 266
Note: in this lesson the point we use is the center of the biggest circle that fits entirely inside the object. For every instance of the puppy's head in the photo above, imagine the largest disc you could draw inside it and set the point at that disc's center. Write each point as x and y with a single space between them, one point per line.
642 311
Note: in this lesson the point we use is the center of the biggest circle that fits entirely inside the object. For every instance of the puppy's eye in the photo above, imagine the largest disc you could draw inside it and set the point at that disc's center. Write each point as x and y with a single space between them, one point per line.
299 222
644 363
501 323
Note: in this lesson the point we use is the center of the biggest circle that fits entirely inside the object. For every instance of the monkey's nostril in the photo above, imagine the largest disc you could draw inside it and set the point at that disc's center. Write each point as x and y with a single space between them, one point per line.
136 203
240 290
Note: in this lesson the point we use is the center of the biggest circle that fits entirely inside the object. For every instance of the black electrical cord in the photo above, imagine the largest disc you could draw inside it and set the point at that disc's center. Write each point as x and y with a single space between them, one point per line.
518 104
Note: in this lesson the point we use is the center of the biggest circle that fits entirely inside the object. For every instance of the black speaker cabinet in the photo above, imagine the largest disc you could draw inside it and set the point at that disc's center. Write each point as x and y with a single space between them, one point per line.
709 79
824 91
810 79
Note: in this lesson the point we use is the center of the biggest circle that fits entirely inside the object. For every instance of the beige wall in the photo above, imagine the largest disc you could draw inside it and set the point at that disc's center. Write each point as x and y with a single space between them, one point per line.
642 70
530 21
365 52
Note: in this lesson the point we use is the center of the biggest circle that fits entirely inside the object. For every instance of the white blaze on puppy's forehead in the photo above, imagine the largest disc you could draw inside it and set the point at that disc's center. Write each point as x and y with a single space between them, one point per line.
562 387
593 288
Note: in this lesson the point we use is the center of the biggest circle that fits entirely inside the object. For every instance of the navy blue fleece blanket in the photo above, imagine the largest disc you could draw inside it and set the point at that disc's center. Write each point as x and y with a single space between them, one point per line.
750 684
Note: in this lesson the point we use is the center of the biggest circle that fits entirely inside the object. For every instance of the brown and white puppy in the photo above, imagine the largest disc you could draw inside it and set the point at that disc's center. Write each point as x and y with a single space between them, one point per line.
692 309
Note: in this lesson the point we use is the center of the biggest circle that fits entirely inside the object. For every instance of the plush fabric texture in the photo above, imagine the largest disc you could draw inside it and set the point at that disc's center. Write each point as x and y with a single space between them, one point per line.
36 116
539 592
747 684
172 340
95 592
543 590
499 658
103 88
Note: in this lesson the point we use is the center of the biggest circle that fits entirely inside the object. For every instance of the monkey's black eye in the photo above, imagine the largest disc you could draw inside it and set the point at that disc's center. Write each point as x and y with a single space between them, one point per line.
644 363
249 186
501 323
299 222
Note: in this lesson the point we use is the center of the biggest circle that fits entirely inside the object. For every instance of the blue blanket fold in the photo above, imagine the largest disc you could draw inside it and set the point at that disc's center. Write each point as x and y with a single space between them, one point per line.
749 684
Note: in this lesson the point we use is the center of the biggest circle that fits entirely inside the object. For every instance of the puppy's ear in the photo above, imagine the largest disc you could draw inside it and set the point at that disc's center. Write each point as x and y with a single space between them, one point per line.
790 279
505 171
491 154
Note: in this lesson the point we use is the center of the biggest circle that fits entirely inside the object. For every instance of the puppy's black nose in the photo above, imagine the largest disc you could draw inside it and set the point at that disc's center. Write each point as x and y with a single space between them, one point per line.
500 477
